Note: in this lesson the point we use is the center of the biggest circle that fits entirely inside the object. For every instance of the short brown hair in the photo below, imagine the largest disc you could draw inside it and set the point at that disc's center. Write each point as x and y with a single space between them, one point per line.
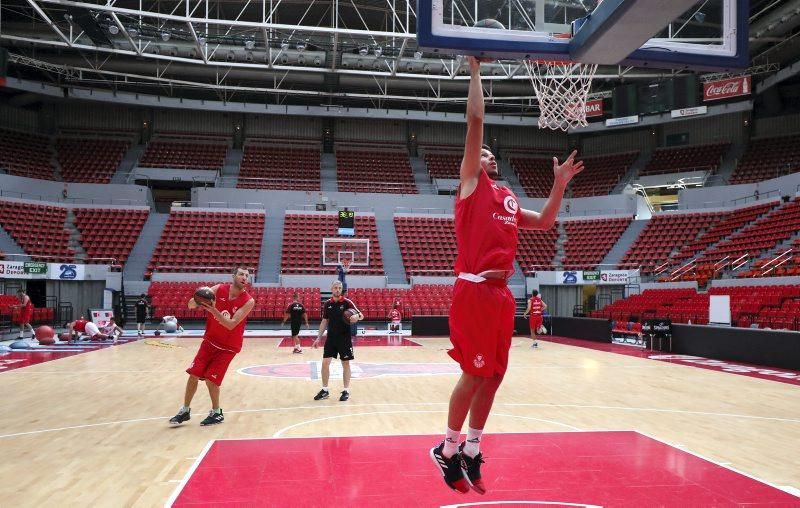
486 147
240 267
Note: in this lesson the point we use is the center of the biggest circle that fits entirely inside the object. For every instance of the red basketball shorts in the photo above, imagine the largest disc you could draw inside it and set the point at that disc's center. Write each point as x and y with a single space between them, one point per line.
536 321
481 325
211 363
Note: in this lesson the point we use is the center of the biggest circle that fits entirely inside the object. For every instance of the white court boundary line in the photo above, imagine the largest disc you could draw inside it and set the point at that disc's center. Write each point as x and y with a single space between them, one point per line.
279 433
189 474
389 404
720 464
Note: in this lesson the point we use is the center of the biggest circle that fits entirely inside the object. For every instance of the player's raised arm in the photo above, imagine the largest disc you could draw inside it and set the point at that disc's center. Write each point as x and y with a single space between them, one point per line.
563 174
471 163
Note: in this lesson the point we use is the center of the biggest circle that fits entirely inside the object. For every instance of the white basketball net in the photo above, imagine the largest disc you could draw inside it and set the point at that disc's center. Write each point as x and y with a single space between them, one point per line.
561 88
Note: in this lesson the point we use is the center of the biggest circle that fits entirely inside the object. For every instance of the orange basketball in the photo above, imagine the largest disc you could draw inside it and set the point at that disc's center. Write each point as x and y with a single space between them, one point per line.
45 335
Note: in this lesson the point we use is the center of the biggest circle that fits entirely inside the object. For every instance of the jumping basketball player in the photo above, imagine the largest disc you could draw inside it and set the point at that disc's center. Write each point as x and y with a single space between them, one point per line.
295 312
25 313
535 308
339 342
482 313
225 323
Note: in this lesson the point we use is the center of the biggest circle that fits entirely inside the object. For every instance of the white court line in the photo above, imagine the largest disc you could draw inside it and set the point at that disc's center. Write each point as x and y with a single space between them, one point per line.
720 464
188 475
320 406
280 432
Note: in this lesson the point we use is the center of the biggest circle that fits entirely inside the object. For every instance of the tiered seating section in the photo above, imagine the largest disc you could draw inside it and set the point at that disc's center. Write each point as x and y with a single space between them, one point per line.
269 167
588 241
534 174
420 300
754 240
38 229
662 235
685 158
601 174
762 306
443 165
26 155
536 250
768 158
729 222
302 244
180 155
427 244
170 298
371 171
208 242
109 232
89 160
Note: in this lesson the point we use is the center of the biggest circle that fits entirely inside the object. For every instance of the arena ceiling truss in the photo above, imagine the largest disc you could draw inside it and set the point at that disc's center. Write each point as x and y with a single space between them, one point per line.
333 52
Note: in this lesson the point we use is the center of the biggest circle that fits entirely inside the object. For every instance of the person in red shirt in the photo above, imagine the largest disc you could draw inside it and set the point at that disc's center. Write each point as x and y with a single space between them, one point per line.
77 328
395 319
481 319
536 307
25 315
225 322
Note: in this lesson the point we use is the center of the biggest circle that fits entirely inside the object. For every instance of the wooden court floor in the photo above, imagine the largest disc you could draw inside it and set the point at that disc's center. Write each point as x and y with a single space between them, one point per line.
91 429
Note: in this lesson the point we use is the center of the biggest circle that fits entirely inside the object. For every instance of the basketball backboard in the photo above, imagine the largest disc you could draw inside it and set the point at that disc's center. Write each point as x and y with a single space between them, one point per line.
708 35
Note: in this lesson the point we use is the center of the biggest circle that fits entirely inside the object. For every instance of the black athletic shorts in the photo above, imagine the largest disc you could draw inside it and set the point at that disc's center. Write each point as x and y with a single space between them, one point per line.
295 329
341 347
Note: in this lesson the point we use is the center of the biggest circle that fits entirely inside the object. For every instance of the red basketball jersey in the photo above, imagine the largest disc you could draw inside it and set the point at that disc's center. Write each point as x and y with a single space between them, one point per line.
218 335
486 228
536 305
80 325
394 315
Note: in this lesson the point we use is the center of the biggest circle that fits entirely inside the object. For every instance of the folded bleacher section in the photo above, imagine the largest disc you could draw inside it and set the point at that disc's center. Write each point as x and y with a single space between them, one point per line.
208 242
427 244
272 167
685 158
109 232
197 154
27 155
601 173
445 165
302 243
374 171
89 160
588 241
38 229
535 174
767 158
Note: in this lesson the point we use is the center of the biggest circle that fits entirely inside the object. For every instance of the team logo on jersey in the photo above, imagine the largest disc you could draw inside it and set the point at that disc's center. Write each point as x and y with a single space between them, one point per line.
479 361
511 205
226 314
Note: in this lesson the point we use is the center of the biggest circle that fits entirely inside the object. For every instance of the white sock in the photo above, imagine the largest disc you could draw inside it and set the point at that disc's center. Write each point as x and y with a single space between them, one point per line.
346 390
472 446
450 442
184 409
324 388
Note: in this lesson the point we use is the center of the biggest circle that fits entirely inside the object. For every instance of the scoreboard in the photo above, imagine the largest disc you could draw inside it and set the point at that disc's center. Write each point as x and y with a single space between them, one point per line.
347 222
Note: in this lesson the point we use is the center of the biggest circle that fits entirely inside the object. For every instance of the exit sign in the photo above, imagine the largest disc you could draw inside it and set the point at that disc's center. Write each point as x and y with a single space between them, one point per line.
35 268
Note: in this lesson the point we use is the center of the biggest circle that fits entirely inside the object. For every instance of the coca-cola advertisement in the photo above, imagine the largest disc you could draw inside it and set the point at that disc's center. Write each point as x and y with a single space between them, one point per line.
594 108
726 88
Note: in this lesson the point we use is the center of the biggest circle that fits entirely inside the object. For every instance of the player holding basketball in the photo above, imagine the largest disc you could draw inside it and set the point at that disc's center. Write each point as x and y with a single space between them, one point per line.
25 307
535 308
340 342
487 218
295 312
225 322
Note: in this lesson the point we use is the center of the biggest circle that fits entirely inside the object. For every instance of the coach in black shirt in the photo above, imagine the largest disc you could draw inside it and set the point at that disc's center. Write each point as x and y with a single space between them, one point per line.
295 312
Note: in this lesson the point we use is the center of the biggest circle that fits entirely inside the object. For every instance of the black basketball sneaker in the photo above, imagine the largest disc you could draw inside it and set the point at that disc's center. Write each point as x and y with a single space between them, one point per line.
213 418
182 416
450 469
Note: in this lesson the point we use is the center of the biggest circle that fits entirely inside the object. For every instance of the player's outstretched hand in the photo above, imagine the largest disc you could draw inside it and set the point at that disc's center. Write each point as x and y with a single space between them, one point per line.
563 173
315 344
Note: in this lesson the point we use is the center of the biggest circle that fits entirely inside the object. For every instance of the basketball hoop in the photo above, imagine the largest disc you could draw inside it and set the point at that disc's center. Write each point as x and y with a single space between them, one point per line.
561 87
